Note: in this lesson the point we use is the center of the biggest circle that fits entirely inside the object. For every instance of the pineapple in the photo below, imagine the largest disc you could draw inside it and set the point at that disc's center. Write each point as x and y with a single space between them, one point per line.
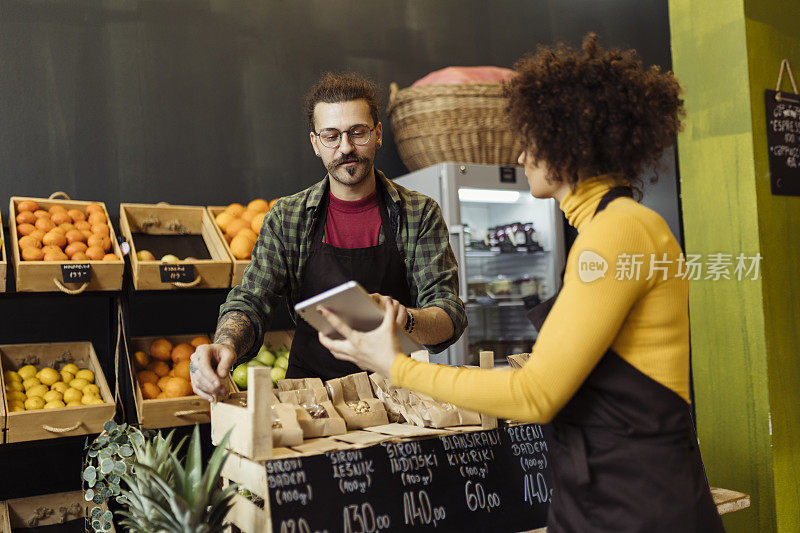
167 496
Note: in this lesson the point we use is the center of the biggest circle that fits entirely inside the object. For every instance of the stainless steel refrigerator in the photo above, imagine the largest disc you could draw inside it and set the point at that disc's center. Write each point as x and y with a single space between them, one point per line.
509 247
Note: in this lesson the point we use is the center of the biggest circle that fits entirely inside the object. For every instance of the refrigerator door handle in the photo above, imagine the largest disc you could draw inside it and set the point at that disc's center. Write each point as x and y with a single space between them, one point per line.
460 249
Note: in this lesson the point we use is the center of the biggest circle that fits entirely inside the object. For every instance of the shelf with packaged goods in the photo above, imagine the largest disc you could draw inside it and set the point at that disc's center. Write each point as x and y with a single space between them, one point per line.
496 251
517 302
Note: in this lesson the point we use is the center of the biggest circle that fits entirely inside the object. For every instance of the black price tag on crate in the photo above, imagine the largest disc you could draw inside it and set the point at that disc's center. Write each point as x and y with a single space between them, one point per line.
171 273
76 273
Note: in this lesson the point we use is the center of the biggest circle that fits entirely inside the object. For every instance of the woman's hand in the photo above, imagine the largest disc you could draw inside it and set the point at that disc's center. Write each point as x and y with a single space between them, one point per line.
371 350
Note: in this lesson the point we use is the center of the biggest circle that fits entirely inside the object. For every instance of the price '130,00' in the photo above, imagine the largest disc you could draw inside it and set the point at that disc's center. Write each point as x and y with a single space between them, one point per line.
362 519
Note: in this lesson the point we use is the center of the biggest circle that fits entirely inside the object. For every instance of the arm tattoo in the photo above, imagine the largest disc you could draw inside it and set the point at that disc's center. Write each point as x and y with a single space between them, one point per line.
235 328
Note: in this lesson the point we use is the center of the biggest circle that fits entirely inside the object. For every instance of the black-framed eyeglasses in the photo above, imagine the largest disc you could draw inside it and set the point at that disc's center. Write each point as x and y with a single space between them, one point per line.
360 134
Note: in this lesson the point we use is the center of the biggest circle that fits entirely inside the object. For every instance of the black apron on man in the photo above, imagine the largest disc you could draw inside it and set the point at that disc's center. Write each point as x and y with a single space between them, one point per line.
379 269
624 452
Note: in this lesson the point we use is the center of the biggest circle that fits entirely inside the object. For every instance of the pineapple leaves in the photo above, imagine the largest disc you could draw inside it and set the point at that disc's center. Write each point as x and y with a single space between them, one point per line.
194 466
170 495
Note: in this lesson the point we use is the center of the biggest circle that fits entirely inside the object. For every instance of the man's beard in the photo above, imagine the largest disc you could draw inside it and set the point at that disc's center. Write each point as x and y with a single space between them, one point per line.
350 176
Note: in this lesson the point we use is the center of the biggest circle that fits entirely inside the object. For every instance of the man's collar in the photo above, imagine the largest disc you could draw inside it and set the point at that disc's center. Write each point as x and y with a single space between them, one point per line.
318 191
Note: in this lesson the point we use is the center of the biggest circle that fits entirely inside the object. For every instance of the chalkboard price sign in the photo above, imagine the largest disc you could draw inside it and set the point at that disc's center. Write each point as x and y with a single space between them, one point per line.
76 272
171 273
494 480
783 141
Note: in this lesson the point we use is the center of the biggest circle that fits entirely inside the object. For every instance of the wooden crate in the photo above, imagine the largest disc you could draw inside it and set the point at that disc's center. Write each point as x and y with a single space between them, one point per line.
45 510
64 421
3 420
275 339
5 520
238 264
3 258
250 427
278 338
249 517
154 414
728 501
45 276
214 273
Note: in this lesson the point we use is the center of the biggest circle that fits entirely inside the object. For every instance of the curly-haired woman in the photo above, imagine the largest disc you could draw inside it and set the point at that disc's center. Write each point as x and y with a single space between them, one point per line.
610 367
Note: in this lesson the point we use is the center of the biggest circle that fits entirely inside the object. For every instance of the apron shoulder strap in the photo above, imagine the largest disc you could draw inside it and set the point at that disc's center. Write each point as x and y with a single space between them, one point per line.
613 194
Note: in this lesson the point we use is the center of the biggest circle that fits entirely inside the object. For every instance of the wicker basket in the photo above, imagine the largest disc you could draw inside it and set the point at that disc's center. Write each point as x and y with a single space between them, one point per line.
462 123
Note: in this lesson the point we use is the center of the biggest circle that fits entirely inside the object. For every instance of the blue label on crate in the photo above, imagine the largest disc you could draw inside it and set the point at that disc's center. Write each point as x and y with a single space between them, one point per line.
76 273
171 273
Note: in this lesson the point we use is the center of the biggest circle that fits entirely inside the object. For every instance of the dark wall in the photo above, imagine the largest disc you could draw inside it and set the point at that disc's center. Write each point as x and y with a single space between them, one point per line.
199 101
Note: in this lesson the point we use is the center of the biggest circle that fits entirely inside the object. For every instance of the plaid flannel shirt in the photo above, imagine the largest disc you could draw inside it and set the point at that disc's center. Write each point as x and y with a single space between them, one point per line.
281 251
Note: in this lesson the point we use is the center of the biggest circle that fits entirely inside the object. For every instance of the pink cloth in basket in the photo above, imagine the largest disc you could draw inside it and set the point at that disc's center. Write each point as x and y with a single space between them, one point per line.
453 75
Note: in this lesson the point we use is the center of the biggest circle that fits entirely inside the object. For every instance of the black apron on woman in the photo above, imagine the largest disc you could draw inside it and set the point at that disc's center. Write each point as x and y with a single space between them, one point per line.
624 452
379 269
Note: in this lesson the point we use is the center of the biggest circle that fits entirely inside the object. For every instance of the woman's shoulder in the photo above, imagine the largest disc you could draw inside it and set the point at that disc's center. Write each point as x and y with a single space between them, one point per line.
630 227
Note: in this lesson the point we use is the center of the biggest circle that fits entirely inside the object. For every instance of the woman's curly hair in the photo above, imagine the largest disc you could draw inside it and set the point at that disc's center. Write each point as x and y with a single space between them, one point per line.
593 111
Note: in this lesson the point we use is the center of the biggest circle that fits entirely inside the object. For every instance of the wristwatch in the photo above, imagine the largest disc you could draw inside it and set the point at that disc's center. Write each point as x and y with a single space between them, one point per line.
409 327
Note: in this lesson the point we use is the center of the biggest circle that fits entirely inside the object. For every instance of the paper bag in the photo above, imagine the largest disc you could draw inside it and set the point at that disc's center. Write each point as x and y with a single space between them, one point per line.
353 398
517 361
422 410
300 383
315 413
387 393
286 431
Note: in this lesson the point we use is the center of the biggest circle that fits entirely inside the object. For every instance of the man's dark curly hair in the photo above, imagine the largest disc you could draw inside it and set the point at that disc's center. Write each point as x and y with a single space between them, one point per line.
593 111
341 87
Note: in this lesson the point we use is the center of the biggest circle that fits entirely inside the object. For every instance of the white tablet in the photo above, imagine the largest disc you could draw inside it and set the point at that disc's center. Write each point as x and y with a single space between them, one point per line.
355 307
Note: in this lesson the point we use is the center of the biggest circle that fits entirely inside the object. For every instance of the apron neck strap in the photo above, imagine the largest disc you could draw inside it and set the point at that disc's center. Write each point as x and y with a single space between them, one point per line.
613 194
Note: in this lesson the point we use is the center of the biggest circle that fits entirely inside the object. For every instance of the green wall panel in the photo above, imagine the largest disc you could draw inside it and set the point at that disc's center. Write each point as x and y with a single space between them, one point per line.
745 339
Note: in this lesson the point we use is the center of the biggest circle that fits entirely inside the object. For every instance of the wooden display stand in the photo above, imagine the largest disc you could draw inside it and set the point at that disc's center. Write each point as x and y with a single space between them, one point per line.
171 412
65 421
238 264
251 446
163 219
44 510
251 442
46 276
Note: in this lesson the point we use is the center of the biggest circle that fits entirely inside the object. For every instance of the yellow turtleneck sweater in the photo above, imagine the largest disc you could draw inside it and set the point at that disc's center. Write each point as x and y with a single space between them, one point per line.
644 320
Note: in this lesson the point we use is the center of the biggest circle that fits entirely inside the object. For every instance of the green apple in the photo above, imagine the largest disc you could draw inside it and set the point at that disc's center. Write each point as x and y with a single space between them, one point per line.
265 356
277 374
145 255
254 362
169 258
282 362
240 376
283 351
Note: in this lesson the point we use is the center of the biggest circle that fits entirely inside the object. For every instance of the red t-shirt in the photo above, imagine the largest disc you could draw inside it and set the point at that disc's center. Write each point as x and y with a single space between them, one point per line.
353 224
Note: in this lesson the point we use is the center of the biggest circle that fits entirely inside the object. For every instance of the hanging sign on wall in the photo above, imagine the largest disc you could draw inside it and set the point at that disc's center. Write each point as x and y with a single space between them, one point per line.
783 136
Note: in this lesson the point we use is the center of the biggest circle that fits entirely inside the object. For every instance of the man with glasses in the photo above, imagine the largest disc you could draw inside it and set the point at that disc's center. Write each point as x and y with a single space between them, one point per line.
355 224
